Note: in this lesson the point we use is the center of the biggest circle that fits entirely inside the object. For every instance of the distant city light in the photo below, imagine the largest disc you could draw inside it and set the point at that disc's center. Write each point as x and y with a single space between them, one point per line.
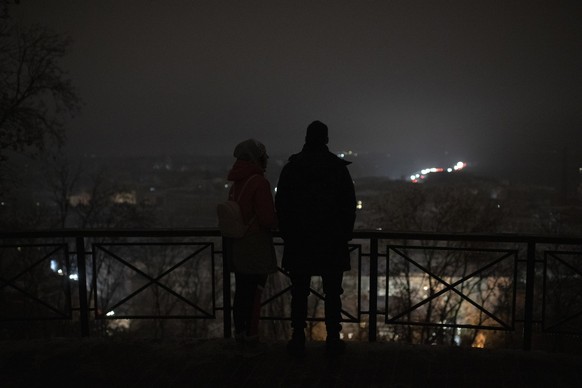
414 178
55 268
459 166
74 277
110 313
124 197
344 153
359 205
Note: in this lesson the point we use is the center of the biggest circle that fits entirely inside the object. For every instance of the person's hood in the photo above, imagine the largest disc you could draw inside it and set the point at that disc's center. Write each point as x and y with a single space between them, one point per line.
242 169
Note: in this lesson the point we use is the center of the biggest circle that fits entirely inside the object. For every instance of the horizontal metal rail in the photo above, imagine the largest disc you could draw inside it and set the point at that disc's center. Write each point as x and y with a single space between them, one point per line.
376 254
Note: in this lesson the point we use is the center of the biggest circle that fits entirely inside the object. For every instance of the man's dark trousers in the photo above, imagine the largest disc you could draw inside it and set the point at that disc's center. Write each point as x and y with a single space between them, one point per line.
332 288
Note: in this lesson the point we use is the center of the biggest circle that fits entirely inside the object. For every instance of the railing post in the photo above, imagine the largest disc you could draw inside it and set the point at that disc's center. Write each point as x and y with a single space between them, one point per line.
373 304
529 295
83 303
227 323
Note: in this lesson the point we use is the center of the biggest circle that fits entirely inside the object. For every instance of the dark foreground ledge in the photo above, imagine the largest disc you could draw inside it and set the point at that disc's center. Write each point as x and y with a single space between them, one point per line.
95 362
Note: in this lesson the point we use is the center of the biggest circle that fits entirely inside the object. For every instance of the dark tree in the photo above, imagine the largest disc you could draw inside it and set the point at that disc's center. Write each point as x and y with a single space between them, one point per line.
4 8
35 94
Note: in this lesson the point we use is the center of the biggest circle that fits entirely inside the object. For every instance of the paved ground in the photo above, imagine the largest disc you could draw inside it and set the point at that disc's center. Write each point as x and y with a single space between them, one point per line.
217 363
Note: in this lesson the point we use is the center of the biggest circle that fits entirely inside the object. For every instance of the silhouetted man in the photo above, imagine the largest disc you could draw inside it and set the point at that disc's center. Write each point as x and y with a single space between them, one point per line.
316 206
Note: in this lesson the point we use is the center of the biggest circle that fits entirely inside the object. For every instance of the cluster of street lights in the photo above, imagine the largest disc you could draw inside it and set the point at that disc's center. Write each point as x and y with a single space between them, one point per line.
422 174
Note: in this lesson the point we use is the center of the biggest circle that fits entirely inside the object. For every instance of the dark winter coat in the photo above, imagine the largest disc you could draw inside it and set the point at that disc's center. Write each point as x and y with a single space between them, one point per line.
316 208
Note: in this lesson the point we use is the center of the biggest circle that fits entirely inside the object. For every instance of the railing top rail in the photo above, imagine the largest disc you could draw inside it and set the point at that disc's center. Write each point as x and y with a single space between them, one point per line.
358 234
485 237
72 233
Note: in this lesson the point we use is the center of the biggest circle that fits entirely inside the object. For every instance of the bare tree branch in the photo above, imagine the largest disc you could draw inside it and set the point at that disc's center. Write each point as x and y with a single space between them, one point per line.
35 94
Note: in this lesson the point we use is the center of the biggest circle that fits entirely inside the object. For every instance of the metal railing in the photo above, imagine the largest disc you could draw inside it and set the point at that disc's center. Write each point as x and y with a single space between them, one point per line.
531 268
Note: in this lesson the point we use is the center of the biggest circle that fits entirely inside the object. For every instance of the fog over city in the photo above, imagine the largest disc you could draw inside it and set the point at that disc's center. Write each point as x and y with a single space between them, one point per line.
419 84
456 221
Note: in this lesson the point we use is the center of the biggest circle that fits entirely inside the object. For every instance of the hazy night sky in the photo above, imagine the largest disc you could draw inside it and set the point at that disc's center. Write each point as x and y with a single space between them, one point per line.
420 77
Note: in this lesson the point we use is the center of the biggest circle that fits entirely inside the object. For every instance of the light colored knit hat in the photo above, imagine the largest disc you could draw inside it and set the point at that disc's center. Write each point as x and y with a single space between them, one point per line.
250 150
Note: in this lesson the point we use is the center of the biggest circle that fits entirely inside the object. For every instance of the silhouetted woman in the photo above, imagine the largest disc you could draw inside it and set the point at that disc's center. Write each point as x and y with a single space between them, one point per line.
252 257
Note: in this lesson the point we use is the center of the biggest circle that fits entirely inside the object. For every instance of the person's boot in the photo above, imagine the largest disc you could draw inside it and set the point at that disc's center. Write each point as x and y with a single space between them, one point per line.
334 344
296 345
239 340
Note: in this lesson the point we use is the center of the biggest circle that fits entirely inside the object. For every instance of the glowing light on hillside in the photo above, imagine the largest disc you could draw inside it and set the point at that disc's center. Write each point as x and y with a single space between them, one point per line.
459 166
415 178
343 154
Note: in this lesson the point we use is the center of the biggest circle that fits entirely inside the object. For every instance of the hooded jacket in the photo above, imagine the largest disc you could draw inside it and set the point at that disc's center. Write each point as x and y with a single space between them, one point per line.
256 200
